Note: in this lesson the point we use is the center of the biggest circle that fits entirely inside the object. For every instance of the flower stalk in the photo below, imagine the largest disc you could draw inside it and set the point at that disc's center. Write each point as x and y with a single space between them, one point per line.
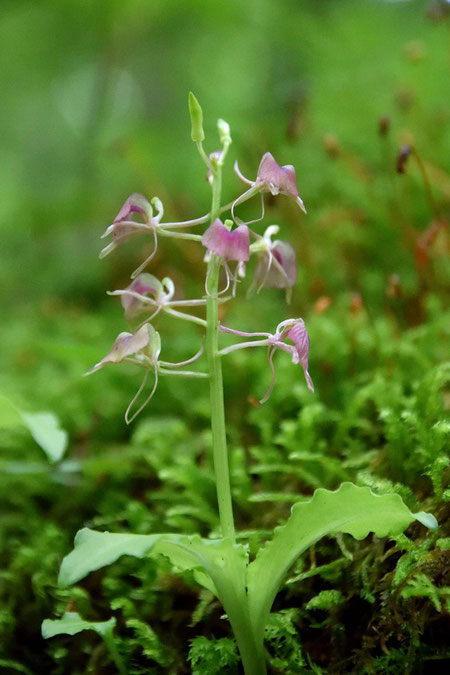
219 441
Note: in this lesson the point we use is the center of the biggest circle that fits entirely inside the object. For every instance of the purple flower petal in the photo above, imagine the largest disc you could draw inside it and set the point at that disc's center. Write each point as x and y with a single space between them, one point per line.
136 203
279 274
124 226
144 284
299 336
285 256
278 179
146 341
234 245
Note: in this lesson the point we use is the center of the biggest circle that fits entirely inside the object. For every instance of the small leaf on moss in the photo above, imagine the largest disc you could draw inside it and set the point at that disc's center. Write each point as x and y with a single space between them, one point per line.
326 600
210 657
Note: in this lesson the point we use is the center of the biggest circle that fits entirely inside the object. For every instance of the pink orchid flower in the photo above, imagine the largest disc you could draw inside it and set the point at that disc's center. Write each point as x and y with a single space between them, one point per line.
228 245
147 293
292 329
143 349
277 264
124 226
272 178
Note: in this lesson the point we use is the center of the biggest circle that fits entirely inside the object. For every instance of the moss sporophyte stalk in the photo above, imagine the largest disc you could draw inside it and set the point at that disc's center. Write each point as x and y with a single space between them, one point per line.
245 587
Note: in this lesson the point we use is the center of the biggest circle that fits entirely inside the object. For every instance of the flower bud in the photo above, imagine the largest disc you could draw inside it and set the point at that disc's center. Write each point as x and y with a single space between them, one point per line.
224 132
195 111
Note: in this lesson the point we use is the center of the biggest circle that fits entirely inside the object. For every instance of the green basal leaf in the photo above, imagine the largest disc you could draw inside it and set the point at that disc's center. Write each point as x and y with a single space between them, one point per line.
43 426
183 558
426 519
72 623
45 429
208 558
350 509
218 564
94 550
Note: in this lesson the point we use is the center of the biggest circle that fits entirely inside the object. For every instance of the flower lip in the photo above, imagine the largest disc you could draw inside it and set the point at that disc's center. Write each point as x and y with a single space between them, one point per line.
299 336
295 330
230 245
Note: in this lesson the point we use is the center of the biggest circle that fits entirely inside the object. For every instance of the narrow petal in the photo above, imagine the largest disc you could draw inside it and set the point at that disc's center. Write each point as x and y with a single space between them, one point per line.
299 201
309 382
240 333
143 265
129 419
238 173
270 355
105 251
122 231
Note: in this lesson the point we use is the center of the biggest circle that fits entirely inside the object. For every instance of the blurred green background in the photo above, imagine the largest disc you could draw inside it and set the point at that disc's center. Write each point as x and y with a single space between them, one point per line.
94 107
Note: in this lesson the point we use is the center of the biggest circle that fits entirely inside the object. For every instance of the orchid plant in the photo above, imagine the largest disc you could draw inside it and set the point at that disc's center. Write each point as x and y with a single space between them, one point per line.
246 588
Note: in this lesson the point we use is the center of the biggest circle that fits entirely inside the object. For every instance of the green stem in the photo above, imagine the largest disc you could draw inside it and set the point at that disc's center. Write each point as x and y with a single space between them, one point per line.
220 452
251 649
232 593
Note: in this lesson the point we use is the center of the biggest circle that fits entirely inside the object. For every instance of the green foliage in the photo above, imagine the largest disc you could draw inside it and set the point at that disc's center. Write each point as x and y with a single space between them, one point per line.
422 586
43 426
45 429
213 656
350 509
281 637
94 550
101 127
151 645
72 623
325 600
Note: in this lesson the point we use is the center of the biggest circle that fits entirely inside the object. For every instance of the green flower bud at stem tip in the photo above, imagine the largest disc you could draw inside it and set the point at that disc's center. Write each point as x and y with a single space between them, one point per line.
195 111
224 132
